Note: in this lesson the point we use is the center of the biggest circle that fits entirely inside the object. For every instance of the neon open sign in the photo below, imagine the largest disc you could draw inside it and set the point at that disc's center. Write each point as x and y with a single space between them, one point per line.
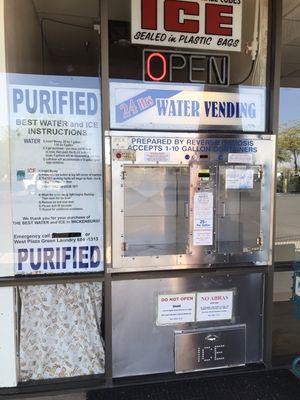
184 67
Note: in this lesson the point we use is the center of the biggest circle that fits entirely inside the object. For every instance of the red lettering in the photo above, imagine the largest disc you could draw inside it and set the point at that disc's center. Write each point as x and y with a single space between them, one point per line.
149 14
175 11
186 298
164 66
132 107
214 19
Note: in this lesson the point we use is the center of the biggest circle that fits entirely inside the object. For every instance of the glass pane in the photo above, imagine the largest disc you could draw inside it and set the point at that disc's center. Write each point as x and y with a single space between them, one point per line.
146 88
55 136
126 58
287 244
54 175
287 240
239 209
156 207
60 331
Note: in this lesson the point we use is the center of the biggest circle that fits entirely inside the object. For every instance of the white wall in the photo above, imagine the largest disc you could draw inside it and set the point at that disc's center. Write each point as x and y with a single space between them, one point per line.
8 360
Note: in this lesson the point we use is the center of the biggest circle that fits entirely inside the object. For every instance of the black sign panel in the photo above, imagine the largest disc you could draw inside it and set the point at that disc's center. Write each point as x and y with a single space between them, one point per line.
184 67
210 348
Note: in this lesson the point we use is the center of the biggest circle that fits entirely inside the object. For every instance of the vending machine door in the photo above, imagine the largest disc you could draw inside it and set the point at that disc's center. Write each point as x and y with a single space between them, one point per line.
239 210
156 200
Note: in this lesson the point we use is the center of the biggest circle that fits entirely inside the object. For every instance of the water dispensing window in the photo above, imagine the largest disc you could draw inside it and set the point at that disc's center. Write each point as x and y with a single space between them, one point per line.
239 209
156 210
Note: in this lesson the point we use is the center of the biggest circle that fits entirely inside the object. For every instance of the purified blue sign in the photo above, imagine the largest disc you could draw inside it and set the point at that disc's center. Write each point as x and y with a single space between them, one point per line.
56 174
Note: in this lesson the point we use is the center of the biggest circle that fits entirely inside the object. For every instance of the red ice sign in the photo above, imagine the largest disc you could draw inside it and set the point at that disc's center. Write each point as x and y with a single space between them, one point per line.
200 24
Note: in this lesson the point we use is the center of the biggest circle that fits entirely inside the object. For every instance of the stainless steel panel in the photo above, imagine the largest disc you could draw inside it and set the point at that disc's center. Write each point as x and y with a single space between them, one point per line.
214 348
149 220
141 347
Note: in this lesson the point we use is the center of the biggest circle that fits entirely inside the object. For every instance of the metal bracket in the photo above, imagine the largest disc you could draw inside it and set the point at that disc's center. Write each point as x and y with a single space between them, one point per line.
124 246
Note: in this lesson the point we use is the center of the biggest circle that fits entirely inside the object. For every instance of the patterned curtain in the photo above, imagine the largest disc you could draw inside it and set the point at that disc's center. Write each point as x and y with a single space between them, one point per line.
60 331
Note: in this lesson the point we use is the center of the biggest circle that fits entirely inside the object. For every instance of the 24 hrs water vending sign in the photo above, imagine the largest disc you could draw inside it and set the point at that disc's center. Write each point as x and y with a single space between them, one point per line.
136 105
56 174
198 24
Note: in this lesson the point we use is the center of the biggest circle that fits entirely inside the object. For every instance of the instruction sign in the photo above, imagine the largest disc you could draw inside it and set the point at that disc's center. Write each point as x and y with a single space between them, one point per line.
196 24
203 219
214 306
56 174
239 178
176 308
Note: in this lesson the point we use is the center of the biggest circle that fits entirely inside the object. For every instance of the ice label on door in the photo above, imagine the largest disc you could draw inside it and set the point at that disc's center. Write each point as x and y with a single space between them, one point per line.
210 348
203 219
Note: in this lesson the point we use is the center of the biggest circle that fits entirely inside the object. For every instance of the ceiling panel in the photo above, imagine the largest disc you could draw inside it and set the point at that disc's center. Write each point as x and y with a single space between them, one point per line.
68 40
290 70
295 74
290 67
77 8
290 32
291 54
295 42
290 82
119 10
294 14
288 6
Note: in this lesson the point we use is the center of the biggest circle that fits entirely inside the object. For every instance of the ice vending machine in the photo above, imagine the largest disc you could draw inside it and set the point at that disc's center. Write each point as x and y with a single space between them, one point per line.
200 204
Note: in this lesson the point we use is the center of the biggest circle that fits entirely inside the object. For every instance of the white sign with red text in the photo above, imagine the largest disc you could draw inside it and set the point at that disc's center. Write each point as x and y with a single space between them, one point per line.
196 24
214 306
176 308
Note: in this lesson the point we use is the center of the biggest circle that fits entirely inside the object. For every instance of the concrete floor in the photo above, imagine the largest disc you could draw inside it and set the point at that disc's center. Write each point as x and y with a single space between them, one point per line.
72 396
286 334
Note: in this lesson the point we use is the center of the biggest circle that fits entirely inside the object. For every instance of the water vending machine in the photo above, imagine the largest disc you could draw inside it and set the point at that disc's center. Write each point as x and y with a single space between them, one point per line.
189 202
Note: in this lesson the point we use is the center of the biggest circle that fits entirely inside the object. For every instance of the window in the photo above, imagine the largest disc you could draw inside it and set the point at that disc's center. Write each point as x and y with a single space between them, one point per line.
288 176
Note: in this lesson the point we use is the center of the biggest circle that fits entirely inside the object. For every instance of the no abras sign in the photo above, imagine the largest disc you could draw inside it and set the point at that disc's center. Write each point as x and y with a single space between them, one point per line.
186 23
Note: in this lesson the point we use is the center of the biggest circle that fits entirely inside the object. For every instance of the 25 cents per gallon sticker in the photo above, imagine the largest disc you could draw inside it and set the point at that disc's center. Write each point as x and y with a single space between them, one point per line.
203 219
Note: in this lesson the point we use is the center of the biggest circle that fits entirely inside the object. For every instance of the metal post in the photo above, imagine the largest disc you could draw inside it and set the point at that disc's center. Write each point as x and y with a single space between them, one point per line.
106 187
274 85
